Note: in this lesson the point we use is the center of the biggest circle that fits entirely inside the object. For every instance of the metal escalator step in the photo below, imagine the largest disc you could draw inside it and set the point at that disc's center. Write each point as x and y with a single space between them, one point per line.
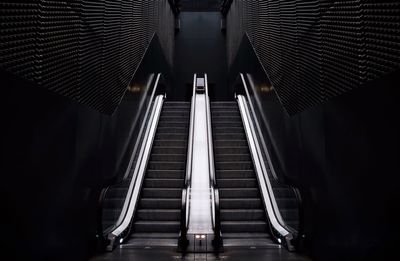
173 124
227 124
231 150
173 174
180 130
246 235
225 112
219 129
226 118
168 157
158 214
162 193
160 203
241 203
232 157
235 174
230 143
169 150
239 193
157 226
237 183
244 226
166 165
163 183
242 214
169 143
234 165
229 136
171 136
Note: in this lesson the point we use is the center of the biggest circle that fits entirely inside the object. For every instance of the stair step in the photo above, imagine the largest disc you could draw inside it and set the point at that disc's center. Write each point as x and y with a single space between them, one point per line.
160 203
243 226
246 235
239 193
173 124
169 150
171 136
242 214
171 174
229 136
231 150
227 174
230 130
226 118
168 157
226 124
184 130
234 165
241 203
176 113
170 143
163 183
166 165
157 226
230 143
232 157
158 214
217 112
162 193
237 183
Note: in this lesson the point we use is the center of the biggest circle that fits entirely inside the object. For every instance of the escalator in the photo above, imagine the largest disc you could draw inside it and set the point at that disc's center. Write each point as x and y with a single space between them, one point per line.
145 210
242 211
157 218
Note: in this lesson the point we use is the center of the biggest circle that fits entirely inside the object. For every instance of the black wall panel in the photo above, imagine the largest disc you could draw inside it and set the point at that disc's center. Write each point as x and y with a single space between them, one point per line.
314 50
86 50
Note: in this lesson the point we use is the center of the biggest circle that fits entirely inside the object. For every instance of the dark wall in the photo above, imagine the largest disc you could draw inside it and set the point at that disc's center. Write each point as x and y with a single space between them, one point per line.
200 48
343 156
57 155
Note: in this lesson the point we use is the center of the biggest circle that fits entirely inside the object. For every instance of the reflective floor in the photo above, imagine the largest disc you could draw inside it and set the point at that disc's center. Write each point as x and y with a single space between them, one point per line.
234 254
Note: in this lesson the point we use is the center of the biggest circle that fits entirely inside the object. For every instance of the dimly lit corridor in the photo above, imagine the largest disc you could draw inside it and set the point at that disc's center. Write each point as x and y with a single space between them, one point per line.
200 130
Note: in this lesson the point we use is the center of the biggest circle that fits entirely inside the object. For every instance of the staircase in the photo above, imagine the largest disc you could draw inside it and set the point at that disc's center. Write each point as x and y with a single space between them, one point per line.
243 219
157 219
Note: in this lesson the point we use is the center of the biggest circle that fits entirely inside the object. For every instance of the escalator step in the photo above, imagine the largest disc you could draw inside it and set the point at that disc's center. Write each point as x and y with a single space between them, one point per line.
169 143
227 174
159 214
244 226
173 174
160 203
163 183
239 193
234 165
231 149
162 193
242 214
157 226
169 150
232 157
241 203
230 143
237 183
166 165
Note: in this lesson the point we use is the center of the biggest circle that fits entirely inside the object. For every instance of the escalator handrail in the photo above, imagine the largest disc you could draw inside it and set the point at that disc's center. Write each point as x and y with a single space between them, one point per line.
268 157
215 211
119 234
185 209
154 80
278 231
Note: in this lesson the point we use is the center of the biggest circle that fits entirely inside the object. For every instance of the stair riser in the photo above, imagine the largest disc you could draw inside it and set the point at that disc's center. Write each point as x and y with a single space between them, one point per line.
164 174
162 193
234 166
169 150
221 174
233 215
238 193
240 204
157 228
160 204
158 215
156 165
249 228
237 183
163 183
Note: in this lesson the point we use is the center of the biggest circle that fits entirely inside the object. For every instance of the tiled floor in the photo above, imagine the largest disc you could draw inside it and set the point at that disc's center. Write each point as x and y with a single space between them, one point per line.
234 254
